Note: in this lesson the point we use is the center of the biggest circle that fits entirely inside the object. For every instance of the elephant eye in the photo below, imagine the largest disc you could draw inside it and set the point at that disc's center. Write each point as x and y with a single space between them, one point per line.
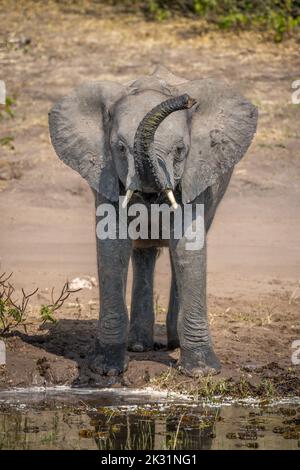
180 152
121 146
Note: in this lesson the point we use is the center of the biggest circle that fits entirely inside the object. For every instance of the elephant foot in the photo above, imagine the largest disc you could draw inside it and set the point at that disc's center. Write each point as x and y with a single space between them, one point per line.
140 341
199 363
110 360
139 346
173 344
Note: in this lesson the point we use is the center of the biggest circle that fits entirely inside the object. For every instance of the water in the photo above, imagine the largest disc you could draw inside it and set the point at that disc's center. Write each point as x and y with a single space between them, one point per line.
62 418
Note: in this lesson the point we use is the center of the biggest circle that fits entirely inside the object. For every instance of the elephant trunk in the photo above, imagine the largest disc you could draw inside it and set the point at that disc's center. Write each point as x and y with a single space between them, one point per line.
150 167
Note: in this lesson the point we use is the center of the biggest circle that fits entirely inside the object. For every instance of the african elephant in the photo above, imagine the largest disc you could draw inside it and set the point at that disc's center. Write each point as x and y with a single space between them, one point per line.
158 138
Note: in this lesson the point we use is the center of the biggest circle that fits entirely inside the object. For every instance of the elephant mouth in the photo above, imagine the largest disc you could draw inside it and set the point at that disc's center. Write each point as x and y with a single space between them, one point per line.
148 198
151 169
151 198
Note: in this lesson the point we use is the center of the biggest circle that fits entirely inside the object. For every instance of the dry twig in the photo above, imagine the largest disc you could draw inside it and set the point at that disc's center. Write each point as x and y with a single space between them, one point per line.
12 312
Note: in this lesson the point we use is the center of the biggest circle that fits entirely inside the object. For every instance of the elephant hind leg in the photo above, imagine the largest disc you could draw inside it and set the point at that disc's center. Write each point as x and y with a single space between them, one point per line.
142 308
173 310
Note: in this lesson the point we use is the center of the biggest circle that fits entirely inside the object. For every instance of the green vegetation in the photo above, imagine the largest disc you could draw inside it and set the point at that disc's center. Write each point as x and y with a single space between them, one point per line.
271 381
47 311
6 109
6 112
280 17
13 313
7 141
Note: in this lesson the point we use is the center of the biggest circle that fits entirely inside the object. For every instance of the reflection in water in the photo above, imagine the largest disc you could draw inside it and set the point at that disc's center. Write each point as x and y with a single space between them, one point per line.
82 424
170 429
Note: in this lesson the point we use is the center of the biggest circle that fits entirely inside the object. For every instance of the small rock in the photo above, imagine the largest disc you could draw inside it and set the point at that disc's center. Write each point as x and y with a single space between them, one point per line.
86 282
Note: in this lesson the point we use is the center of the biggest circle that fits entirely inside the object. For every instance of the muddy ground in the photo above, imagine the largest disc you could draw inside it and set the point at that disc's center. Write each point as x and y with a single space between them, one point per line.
47 214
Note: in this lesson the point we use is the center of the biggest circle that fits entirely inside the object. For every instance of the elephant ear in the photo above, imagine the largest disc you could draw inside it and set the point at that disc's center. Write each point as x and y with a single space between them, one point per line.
79 133
223 124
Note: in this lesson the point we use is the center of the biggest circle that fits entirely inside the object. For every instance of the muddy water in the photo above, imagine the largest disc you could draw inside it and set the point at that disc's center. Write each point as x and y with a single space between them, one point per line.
118 419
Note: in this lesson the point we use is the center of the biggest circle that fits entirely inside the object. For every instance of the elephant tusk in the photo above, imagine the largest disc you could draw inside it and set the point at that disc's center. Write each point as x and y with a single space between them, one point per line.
171 197
127 198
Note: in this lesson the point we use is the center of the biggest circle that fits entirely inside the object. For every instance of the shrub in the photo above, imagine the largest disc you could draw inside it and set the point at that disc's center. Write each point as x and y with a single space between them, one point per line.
281 17
12 312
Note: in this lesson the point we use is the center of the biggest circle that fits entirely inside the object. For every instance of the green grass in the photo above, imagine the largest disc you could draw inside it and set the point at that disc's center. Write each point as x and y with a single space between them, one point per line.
283 383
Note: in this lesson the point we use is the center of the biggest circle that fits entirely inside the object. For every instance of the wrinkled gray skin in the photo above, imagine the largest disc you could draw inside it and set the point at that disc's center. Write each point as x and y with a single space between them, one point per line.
93 131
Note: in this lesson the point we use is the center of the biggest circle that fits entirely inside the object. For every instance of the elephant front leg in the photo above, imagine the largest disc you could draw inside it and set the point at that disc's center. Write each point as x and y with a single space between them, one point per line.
109 357
197 356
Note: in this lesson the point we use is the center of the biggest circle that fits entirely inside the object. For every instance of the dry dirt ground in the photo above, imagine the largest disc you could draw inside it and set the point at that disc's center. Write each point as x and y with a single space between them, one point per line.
47 214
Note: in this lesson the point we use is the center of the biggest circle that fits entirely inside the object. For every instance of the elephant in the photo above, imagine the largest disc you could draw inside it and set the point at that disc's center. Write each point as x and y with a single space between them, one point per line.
159 138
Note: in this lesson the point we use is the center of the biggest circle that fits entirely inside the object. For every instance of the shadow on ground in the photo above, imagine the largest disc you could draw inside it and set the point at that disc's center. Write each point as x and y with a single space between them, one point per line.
74 340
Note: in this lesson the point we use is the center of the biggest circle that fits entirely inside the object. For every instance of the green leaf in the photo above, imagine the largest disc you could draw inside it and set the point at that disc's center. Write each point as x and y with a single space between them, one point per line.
47 314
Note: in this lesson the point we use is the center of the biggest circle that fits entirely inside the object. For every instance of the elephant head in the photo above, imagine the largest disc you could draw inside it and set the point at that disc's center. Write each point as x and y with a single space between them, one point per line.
158 133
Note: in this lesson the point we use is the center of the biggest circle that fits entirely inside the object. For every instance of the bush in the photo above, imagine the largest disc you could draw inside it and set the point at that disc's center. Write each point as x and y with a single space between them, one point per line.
13 313
281 17
47 311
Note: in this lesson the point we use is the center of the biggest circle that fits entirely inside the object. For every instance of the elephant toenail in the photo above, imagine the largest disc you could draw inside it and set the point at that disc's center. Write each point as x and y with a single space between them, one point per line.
137 347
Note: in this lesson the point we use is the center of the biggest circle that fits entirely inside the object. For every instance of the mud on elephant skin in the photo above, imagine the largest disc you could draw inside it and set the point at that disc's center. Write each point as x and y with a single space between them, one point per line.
157 139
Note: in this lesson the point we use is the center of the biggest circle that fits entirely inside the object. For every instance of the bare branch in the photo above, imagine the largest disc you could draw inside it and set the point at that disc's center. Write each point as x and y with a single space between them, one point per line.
12 312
